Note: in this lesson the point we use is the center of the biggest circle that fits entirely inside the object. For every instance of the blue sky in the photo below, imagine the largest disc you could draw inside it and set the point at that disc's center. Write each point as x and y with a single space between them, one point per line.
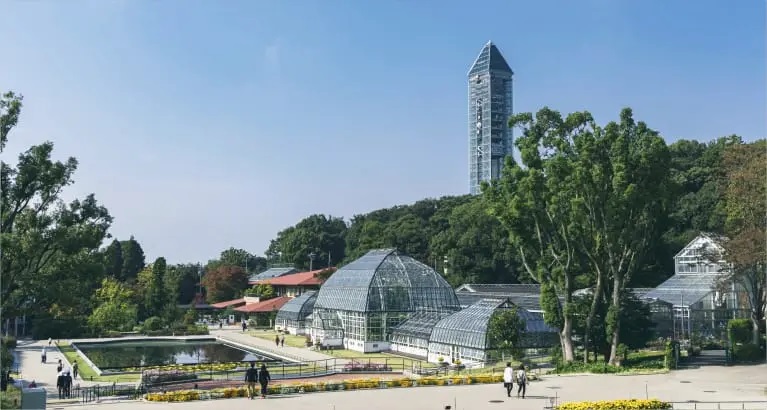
208 124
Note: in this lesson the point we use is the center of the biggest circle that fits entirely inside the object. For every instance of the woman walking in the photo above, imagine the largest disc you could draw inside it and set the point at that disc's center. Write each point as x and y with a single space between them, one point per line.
264 378
521 381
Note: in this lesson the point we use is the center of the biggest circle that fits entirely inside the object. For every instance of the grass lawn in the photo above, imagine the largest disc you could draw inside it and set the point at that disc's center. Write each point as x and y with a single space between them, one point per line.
290 340
87 373
10 399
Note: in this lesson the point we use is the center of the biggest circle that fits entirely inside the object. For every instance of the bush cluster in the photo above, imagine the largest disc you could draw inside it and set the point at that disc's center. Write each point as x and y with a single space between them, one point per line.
631 404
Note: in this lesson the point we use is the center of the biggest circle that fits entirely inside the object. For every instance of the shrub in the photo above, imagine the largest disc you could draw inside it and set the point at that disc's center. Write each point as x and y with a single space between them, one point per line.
669 356
153 323
633 404
739 331
9 342
748 352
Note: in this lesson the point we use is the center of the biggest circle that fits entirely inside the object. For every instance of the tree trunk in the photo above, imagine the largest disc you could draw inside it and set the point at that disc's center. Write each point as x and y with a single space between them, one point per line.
590 318
755 328
615 338
566 337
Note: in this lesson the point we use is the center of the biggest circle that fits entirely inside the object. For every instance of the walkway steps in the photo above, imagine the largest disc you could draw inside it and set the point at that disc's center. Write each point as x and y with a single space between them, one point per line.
706 358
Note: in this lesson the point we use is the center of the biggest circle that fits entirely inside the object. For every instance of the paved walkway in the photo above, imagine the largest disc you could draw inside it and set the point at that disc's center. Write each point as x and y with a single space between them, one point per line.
267 346
28 354
742 383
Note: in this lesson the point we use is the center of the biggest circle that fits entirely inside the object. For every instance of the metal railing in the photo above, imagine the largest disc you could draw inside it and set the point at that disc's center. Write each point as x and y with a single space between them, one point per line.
153 377
719 405
88 394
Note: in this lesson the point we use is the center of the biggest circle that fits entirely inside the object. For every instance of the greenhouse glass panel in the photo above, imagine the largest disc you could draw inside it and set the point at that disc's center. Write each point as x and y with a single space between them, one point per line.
684 289
298 308
467 327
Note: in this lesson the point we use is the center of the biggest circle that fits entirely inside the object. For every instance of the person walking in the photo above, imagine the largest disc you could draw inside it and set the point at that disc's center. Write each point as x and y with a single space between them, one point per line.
508 379
67 384
59 367
60 381
521 381
264 378
251 377
75 369
282 341
43 355
244 326
277 340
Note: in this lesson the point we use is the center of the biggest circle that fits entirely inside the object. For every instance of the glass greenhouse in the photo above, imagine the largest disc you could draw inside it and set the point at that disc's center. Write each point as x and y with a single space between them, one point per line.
412 336
698 299
463 335
293 315
379 291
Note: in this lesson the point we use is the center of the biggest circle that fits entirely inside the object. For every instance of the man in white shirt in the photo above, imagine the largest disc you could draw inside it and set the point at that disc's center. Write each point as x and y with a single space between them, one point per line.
508 379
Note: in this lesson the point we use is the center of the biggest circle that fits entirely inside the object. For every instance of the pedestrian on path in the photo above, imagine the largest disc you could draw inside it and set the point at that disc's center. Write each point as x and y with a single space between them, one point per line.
264 378
67 384
50 339
59 367
277 340
75 369
521 381
282 341
508 379
43 356
251 377
60 382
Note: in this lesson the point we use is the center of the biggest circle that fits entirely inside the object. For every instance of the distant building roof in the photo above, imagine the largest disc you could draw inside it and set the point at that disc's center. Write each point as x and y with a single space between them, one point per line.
684 289
271 273
310 278
501 288
265 306
226 304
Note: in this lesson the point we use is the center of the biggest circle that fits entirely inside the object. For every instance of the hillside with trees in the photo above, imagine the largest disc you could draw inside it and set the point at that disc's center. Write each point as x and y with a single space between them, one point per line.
603 207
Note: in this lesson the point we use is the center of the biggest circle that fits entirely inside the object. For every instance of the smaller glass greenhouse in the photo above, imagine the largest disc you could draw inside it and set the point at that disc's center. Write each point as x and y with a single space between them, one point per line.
292 316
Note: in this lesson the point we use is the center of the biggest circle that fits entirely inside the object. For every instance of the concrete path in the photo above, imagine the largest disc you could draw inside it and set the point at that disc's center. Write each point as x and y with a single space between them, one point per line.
737 384
289 352
31 368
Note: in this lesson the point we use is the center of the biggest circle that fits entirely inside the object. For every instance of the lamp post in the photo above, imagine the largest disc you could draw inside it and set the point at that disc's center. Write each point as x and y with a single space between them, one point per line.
311 260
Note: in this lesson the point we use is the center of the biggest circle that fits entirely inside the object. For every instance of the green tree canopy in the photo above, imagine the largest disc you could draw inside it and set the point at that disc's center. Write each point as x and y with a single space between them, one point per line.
37 227
505 330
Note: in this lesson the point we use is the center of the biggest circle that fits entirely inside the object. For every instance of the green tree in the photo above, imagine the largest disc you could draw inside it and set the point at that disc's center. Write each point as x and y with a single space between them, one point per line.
36 227
264 291
476 246
155 302
746 225
133 259
318 235
504 331
115 309
113 259
182 283
533 204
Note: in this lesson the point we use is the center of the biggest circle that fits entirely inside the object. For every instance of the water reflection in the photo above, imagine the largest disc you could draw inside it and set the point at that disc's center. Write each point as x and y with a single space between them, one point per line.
154 353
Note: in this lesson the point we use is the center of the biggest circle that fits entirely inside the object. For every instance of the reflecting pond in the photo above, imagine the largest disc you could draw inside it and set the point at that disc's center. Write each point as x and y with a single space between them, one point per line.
162 352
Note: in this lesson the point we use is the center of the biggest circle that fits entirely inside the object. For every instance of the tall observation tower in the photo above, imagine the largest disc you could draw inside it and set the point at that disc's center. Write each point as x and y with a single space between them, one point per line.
490 106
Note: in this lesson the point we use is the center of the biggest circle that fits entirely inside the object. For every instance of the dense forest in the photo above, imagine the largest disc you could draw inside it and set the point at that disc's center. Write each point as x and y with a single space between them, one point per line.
587 206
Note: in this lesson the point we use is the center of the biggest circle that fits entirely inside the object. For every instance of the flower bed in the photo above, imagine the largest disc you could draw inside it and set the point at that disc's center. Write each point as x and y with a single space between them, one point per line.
294 388
632 404
160 376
